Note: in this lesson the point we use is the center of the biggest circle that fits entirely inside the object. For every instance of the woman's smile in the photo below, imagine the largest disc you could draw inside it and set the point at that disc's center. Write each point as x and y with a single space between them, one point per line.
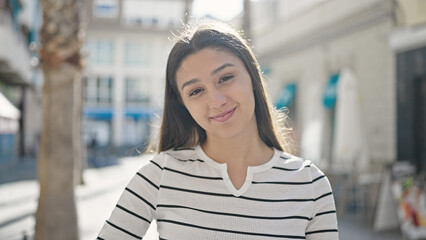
224 116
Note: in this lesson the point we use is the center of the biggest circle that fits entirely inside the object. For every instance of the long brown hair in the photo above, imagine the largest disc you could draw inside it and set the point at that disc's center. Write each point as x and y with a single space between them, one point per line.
178 128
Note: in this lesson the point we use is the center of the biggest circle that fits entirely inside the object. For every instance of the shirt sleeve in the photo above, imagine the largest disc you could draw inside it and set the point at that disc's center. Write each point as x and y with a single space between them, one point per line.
323 222
131 217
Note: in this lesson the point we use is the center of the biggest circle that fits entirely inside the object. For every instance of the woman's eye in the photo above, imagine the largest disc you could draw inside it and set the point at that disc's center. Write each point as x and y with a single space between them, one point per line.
225 78
195 92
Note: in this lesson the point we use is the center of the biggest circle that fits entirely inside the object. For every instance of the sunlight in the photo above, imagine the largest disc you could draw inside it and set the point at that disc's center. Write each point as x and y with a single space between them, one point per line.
221 9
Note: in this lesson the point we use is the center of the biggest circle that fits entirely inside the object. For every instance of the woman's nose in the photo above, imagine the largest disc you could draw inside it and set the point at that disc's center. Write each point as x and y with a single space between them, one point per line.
216 99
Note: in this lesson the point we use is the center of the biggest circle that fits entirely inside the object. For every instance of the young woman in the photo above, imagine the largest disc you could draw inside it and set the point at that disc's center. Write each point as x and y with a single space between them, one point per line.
221 171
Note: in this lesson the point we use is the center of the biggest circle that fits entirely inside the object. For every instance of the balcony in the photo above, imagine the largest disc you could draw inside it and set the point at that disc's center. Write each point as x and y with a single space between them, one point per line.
15 65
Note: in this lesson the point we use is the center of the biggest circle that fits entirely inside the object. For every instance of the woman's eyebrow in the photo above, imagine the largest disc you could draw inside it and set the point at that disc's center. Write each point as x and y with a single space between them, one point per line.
192 81
195 80
221 68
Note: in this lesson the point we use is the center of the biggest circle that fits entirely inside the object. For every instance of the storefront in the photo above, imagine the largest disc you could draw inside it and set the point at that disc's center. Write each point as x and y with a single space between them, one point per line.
408 173
9 127
98 125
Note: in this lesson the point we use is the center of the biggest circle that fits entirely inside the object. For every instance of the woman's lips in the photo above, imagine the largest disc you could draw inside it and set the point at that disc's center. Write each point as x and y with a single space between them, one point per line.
224 116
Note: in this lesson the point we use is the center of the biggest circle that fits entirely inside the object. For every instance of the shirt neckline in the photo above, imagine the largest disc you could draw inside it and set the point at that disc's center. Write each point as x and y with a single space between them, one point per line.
223 168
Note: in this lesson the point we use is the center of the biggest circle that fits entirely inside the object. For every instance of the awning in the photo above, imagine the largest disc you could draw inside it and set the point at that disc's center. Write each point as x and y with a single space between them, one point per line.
286 96
16 7
106 113
7 110
139 113
330 92
98 113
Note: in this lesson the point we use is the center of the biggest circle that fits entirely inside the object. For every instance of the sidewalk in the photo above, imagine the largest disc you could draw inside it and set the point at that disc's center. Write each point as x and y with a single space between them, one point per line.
96 199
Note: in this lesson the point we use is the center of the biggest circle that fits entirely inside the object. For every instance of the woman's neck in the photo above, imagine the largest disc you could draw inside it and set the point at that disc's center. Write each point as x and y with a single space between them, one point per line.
238 153
242 151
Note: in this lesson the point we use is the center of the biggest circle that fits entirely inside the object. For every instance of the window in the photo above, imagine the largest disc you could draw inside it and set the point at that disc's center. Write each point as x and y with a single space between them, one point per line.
101 52
104 89
105 8
136 54
97 133
151 13
99 90
137 90
91 90
136 132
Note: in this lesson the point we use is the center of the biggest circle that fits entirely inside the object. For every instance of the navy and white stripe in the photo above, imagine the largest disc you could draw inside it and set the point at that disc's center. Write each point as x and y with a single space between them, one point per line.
190 196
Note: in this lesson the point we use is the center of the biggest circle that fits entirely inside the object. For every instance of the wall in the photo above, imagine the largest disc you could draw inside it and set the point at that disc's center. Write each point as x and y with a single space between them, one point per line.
335 34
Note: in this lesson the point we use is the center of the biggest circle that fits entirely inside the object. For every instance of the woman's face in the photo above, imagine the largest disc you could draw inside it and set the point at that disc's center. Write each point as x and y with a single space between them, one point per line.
217 91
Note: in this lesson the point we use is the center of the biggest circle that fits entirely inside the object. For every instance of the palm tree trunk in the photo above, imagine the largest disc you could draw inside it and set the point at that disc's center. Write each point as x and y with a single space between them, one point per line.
56 216
60 149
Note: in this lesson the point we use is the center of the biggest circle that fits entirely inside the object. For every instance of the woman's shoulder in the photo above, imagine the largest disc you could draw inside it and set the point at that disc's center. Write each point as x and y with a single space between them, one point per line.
291 162
181 155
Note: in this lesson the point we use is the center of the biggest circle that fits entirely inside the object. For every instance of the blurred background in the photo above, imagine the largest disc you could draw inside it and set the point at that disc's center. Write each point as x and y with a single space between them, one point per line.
81 91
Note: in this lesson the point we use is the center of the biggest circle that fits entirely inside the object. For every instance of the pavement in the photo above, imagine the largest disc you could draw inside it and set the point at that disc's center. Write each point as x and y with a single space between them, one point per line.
96 199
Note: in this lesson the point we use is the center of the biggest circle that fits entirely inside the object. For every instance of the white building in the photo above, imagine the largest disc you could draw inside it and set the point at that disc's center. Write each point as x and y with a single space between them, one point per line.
20 83
353 75
127 44
301 45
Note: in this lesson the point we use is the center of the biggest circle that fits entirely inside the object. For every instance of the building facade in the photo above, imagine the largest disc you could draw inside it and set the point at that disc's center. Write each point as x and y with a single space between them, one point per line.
352 76
20 81
305 51
408 42
127 44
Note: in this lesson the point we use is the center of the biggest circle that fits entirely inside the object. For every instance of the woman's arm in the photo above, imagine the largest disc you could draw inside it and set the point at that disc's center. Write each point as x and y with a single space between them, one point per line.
136 207
323 224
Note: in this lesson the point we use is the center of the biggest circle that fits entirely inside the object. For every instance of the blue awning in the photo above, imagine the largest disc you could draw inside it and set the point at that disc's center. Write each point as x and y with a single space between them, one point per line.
266 70
98 113
286 96
330 92
107 113
16 8
139 113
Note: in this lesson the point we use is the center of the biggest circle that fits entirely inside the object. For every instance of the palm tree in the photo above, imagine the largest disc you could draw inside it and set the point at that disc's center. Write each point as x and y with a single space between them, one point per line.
61 39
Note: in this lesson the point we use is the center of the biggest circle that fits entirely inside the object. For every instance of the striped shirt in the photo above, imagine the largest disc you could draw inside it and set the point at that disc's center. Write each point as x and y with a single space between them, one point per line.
192 197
